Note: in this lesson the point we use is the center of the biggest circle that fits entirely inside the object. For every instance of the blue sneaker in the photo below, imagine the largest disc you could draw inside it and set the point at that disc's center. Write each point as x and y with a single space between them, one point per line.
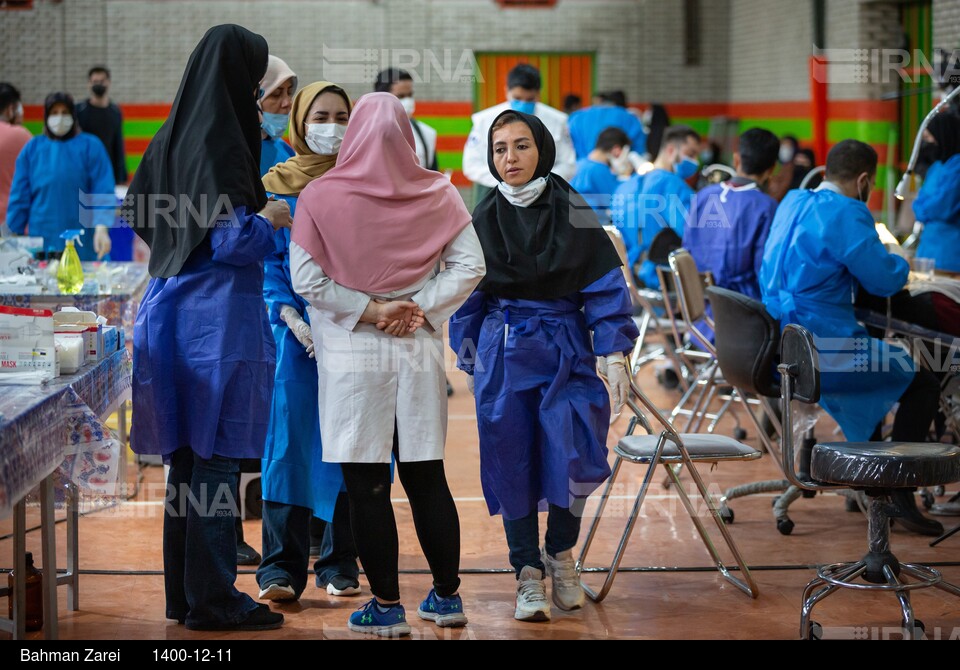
370 620
445 612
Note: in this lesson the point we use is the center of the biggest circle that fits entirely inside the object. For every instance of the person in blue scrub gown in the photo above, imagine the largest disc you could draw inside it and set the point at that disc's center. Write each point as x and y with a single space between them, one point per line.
822 245
598 175
203 361
938 204
297 484
524 337
278 87
586 125
728 224
646 204
53 172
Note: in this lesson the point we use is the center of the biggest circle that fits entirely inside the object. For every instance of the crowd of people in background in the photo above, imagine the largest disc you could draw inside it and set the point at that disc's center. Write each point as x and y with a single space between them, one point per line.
343 237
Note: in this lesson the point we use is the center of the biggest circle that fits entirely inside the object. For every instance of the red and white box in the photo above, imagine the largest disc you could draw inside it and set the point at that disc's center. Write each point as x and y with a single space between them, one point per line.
26 341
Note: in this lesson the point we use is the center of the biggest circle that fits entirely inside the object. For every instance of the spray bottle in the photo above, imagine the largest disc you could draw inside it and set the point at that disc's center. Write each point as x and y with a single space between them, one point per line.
70 272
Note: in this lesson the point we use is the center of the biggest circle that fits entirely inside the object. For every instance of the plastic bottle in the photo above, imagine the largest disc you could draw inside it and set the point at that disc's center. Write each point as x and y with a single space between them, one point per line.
34 598
70 272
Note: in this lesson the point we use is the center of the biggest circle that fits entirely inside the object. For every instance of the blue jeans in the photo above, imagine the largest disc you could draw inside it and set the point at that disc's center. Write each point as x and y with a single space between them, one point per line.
200 541
523 536
338 553
286 546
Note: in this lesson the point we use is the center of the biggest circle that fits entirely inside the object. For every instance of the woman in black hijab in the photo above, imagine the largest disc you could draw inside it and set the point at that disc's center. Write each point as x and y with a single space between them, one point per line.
553 278
203 355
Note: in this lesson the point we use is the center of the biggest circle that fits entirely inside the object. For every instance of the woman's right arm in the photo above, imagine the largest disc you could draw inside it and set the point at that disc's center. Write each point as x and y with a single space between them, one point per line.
18 207
465 327
344 306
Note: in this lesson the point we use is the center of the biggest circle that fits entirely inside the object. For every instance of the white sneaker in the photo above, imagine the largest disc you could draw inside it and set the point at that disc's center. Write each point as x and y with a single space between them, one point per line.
348 591
532 602
564 581
278 593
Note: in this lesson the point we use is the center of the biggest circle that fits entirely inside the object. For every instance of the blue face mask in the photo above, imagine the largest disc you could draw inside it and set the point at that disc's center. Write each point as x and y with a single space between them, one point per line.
686 168
523 107
275 125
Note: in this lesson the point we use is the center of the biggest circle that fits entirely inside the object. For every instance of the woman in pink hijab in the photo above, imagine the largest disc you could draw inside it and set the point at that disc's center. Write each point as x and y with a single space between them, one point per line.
384 252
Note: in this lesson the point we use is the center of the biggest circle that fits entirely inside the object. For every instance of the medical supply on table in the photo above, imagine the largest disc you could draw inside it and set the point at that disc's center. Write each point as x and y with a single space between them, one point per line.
26 342
71 352
72 320
70 271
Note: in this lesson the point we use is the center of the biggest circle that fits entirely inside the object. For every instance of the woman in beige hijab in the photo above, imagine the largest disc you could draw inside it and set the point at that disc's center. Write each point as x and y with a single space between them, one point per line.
296 483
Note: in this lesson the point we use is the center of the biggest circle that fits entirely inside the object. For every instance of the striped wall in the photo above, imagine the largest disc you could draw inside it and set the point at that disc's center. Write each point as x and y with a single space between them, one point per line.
876 123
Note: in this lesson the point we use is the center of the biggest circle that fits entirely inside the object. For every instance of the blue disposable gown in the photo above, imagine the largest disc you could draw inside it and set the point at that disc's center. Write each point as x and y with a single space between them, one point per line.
203 358
49 180
293 469
823 245
642 207
273 152
726 232
596 183
587 124
543 412
938 207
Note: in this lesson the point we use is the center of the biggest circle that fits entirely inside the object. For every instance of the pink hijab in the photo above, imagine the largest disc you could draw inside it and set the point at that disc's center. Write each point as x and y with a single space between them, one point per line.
377 222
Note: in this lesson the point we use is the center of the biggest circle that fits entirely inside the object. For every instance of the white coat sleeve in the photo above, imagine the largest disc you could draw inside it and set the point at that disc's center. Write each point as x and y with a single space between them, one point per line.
475 167
343 306
447 291
566 165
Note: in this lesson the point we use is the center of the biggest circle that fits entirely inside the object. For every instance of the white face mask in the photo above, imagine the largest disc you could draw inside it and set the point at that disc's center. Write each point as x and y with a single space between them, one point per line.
526 195
324 139
409 105
621 164
60 124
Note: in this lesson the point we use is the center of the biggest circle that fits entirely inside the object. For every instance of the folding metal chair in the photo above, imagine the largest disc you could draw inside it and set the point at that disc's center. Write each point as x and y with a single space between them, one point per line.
669 449
651 325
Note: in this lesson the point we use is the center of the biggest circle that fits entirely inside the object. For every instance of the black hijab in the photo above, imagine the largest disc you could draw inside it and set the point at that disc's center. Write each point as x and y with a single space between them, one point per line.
551 249
208 149
48 104
945 128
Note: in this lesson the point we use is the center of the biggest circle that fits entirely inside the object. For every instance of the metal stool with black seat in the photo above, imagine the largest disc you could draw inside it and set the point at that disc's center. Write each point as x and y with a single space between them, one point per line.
876 468
669 449
748 350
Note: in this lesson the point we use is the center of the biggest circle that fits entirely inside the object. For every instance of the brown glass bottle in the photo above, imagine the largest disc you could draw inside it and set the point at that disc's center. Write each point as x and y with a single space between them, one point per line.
34 597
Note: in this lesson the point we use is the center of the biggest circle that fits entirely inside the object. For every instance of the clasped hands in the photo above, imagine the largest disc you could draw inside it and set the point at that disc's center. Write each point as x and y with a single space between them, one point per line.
398 317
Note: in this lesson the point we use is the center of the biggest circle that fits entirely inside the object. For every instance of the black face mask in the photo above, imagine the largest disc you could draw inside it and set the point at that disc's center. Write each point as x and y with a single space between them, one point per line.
99 90
929 153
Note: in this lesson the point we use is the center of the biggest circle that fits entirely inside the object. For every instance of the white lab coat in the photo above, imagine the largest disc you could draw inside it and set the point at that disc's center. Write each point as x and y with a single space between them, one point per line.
475 166
371 381
425 152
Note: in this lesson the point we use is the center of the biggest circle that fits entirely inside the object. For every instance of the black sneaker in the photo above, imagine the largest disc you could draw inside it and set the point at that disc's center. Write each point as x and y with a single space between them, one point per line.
343 587
247 555
259 619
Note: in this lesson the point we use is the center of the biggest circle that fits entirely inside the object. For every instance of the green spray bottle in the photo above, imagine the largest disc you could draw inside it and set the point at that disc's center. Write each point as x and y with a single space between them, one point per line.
70 272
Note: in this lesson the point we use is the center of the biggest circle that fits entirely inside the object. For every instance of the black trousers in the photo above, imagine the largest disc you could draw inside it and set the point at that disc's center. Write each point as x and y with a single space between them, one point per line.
375 527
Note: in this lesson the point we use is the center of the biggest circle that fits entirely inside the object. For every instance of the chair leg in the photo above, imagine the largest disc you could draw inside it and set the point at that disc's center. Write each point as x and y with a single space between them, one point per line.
604 498
747 584
599 596
811 599
906 607
942 585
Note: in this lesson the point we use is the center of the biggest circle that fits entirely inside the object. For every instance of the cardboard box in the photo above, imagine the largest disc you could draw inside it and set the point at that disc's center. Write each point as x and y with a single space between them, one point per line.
26 341
86 323
111 340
